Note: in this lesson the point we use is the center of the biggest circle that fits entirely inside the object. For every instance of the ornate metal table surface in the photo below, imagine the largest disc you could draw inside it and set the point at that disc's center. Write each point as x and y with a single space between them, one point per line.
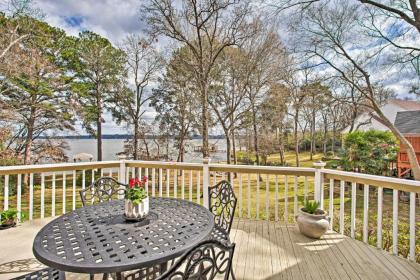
97 239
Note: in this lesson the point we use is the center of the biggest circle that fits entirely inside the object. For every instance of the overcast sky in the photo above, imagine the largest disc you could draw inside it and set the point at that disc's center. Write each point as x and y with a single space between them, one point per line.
114 19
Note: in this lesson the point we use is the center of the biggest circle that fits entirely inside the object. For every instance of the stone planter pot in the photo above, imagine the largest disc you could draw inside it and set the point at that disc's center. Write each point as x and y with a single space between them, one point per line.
136 212
313 225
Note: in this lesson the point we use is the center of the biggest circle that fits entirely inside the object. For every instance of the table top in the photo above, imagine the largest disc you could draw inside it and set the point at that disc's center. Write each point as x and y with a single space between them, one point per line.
97 239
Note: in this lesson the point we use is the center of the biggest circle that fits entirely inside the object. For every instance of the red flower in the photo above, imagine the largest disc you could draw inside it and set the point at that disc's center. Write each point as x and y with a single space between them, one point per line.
132 183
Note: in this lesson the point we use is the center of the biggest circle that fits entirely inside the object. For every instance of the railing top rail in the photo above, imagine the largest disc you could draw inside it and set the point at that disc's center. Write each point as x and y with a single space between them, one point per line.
373 180
26 169
298 171
164 164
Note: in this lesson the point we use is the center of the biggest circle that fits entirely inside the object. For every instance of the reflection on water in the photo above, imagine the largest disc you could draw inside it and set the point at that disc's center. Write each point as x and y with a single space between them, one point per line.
111 147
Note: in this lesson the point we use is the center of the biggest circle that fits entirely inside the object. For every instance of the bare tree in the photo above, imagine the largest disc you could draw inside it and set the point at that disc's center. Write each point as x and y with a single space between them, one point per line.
143 63
206 28
329 33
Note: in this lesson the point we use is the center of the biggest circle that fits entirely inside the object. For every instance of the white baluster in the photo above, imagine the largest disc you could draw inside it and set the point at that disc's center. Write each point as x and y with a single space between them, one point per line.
305 189
353 209
64 191
42 195
395 222
379 218
342 185
53 196
295 198
331 205
153 181
198 188
175 183
83 179
276 203
19 197
168 173
258 196
249 196
365 213
286 195
191 185
31 196
74 189
267 195
240 195
160 182
412 254
6 192
183 184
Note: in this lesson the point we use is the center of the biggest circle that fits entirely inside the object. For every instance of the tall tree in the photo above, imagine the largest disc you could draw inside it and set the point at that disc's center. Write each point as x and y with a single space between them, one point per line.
228 93
99 70
143 63
206 28
35 88
176 103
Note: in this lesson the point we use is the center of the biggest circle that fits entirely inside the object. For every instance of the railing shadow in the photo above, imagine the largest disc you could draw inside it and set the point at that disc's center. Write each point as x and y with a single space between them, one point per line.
17 266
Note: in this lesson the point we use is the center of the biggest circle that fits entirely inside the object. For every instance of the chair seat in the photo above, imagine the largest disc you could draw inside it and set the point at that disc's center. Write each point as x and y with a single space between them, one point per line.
220 235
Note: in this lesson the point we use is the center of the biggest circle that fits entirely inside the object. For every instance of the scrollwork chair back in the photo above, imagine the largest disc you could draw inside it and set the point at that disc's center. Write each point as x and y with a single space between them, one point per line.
222 203
205 261
103 189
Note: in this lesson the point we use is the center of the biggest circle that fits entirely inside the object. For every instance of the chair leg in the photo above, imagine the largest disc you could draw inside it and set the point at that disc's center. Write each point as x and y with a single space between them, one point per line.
232 274
92 276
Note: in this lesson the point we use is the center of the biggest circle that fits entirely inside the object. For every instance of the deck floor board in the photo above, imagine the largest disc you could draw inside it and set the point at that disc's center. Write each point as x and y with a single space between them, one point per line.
264 250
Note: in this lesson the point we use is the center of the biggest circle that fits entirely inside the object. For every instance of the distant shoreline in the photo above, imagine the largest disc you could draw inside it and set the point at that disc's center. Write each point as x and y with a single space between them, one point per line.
121 136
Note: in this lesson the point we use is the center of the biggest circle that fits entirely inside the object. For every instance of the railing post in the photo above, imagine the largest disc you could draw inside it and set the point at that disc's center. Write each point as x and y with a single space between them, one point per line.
121 174
206 180
319 181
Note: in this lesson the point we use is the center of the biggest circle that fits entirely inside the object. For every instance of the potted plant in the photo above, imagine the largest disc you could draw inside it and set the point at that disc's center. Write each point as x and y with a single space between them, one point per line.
8 218
136 199
312 221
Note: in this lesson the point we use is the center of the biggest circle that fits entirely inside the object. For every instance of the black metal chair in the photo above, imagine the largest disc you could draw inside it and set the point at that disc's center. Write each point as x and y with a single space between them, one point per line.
205 261
103 189
43 274
222 203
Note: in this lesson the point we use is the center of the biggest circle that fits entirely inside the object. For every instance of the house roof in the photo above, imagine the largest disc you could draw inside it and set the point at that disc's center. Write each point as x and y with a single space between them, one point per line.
408 122
409 105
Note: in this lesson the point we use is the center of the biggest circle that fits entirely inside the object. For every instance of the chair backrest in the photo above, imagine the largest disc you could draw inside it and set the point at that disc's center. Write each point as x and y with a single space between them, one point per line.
103 189
222 203
205 261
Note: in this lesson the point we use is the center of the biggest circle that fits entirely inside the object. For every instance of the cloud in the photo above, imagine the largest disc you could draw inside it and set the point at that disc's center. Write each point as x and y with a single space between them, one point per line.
113 19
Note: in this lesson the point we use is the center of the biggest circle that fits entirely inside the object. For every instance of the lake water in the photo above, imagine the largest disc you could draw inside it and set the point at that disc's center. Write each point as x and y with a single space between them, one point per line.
111 147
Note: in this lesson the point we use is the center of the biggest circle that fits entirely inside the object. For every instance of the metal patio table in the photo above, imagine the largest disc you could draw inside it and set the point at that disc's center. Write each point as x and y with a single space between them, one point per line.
97 239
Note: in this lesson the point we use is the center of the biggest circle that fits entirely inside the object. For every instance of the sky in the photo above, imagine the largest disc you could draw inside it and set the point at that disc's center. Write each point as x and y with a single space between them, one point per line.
113 19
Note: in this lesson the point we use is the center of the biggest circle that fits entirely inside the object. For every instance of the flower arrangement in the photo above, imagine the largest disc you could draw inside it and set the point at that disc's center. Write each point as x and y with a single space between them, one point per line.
136 191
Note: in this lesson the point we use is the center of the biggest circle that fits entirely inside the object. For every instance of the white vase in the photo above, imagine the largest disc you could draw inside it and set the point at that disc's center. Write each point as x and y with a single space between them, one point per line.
136 211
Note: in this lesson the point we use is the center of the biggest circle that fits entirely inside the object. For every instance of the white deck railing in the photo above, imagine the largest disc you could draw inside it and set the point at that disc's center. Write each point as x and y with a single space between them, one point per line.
263 192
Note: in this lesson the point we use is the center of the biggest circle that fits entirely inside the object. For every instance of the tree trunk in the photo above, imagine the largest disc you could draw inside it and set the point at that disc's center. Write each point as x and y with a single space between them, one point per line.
136 140
281 145
411 153
313 148
228 147
234 148
204 115
255 130
29 137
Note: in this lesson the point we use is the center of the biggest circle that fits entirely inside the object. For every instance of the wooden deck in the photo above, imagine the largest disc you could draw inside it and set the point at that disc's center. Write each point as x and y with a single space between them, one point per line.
264 250
268 250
